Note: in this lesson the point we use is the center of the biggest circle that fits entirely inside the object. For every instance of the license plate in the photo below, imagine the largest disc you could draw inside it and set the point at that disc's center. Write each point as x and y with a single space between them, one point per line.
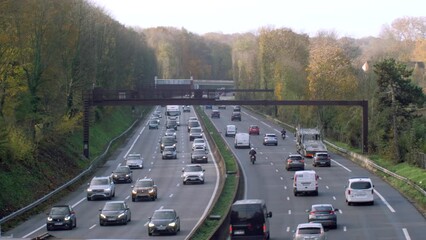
58 224
161 227
239 232
111 219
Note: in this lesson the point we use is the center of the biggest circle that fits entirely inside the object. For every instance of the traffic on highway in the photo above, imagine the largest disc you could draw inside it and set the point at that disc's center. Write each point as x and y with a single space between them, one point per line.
299 196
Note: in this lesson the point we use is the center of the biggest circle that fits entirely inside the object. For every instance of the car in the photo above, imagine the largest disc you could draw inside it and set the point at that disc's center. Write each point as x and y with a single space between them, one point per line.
249 219
192 119
170 123
193 173
170 132
324 214
359 190
254 129
321 159
199 143
186 108
153 124
134 160
195 132
100 187
167 141
157 113
122 174
61 217
270 139
169 152
209 106
237 108
221 107
164 221
309 231
199 155
193 123
215 114
144 188
295 161
156 118
236 116
242 140
115 212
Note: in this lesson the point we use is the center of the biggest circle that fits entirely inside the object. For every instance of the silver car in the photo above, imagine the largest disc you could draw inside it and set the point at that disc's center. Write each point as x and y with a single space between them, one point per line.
193 173
115 212
100 187
309 231
134 160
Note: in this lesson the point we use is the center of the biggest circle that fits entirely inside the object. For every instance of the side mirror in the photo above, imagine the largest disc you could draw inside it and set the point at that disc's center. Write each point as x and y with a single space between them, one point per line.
204 170
336 210
269 214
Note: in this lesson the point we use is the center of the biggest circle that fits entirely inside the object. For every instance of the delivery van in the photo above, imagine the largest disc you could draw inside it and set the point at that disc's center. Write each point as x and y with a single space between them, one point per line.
305 182
230 130
242 140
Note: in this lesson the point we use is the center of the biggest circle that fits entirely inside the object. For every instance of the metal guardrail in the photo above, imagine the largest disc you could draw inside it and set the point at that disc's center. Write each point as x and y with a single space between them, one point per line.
371 165
72 181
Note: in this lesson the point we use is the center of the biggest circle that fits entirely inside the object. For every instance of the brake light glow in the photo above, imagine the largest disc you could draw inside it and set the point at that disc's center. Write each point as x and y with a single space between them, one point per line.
264 228
230 229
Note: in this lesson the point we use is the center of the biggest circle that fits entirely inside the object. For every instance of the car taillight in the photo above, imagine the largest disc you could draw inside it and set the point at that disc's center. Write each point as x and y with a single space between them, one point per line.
264 228
303 161
312 212
230 229
331 212
289 160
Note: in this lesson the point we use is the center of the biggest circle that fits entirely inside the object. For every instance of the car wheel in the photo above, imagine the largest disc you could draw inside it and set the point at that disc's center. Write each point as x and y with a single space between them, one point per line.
349 203
70 227
48 228
75 223
316 193
295 193
101 223
149 233
276 144
202 182
89 199
133 199
372 203
184 183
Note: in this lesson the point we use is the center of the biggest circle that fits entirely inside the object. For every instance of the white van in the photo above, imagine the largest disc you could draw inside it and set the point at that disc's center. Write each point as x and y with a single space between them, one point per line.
359 190
305 182
242 140
230 130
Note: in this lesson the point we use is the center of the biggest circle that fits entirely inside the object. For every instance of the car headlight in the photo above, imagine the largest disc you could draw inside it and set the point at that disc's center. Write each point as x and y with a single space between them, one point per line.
107 190
102 215
134 191
151 225
162 145
151 190
89 190
204 157
173 224
115 175
67 218
127 175
49 218
121 215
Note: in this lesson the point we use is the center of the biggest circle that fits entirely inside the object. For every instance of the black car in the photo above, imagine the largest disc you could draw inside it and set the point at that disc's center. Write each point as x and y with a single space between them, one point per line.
215 114
61 217
167 141
115 212
164 221
236 116
122 174
199 155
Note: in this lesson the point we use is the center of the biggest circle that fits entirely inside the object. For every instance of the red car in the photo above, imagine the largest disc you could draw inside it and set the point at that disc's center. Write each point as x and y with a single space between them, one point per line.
254 129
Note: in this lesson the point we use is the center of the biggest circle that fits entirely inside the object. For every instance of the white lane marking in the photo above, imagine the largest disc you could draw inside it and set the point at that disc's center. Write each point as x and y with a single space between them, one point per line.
326 187
285 187
288 198
127 197
407 236
152 163
266 124
289 212
344 229
340 211
149 170
384 201
254 118
334 198
75 204
347 169
94 225
281 178
272 163
171 195
276 170
288 229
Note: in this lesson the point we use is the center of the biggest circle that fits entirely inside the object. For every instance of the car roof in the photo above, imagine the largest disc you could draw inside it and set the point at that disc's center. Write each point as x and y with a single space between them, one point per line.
295 155
309 225
355 179
270 134
117 201
134 154
165 210
254 126
249 201
322 205
102 177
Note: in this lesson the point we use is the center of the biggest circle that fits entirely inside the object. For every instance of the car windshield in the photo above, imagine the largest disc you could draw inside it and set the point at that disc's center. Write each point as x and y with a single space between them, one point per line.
99 181
163 215
122 170
113 206
133 157
194 124
143 184
59 211
153 122
270 135
193 169
195 130
296 157
200 140
310 230
361 185
322 209
246 213
168 140
169 149
199 152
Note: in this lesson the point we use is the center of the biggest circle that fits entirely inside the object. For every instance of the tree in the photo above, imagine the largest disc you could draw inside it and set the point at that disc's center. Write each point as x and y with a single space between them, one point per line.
397 101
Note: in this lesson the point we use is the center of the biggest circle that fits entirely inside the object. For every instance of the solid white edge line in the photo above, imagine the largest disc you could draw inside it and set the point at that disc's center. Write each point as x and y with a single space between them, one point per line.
384 201
406 235
347 169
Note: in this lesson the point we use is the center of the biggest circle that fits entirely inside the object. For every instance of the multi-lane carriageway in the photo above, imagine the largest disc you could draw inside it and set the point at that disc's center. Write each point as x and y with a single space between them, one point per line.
391 217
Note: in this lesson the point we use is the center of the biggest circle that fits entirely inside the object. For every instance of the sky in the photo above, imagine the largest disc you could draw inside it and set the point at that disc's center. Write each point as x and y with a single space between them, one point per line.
351 18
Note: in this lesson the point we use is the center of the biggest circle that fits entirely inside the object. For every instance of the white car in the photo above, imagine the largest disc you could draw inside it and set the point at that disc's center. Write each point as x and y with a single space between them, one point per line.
193 173
134 160
359 190
199 143
309 231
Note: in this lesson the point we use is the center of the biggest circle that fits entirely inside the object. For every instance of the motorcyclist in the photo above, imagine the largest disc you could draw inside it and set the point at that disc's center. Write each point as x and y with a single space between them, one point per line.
252 152
283 132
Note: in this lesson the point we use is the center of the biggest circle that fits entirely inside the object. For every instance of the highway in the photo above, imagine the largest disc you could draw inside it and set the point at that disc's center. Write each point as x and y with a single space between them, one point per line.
391 217
190 201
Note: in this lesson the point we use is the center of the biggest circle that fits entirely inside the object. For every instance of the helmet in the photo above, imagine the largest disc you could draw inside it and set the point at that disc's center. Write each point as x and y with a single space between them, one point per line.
252 148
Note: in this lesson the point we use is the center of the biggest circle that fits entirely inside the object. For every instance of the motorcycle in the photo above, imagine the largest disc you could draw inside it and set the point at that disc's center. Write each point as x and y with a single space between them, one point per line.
283 135
252 158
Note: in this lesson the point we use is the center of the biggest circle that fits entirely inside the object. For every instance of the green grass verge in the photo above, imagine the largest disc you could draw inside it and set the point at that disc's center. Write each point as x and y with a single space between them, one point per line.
226 198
